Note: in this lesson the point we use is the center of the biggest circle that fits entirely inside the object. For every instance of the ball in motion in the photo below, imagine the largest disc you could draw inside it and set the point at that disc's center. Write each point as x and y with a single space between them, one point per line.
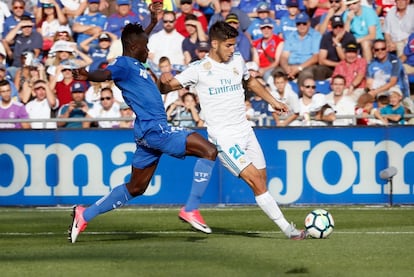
319 224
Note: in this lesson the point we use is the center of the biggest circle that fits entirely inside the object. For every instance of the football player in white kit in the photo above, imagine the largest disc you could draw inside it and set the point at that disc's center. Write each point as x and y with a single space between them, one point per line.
218 80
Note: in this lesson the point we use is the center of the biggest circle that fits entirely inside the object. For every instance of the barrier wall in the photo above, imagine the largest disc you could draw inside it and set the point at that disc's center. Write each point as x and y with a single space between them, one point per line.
305 166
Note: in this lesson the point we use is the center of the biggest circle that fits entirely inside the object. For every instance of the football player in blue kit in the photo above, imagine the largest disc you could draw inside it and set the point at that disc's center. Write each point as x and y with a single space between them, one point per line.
153 135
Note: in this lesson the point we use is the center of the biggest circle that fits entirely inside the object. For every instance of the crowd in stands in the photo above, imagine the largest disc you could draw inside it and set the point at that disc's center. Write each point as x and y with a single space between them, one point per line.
333 62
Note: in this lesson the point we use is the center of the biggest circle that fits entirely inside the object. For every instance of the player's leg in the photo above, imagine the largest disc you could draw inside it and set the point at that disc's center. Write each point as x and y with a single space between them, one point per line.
200 147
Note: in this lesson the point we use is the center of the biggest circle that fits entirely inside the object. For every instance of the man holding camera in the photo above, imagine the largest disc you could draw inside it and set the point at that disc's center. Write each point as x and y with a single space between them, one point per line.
77 108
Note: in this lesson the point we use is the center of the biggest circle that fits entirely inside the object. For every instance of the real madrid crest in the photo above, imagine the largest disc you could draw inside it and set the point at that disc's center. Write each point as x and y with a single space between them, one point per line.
207 66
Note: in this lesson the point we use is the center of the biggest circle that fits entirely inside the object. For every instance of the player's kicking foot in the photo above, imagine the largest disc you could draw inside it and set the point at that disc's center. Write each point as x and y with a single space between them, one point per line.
78 224
295 234
195 219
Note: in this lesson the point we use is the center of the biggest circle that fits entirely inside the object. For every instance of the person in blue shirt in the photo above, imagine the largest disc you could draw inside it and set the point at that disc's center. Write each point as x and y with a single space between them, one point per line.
98 52
18 10
243 44
87 25
122 17
386 71
288 22
263 12
394 111
281 8
153 135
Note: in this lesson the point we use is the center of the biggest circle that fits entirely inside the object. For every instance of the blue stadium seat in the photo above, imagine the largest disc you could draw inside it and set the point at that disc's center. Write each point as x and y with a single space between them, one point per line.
323 86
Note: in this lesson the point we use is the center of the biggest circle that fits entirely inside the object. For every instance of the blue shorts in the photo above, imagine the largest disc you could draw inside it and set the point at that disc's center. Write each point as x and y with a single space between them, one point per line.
161 139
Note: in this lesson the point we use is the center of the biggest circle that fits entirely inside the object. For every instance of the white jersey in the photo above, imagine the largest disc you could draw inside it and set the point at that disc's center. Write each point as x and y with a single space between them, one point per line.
221 93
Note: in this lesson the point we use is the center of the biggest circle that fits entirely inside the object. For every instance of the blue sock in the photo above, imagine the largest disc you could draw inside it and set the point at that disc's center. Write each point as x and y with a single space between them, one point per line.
202 175
115 199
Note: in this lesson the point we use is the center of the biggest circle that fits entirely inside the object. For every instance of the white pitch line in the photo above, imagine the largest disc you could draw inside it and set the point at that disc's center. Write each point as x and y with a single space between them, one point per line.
193 232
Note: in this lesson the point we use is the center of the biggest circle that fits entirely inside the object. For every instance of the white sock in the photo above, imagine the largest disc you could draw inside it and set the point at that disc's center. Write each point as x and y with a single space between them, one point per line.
270 207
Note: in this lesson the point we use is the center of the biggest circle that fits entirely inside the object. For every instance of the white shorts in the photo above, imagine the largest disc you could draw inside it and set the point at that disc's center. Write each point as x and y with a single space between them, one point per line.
237 152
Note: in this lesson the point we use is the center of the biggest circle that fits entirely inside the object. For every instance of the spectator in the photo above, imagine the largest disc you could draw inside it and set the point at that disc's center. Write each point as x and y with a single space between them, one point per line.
75 8
364 24
353 69
364 109
186 8
4 76
280 7
225 9
342 104
313 108
10 109
394 111
126 111
250 7
27 76
284 93
263 12
243 45
65 58
107 108
63 33
203 48
168 36
184 112
382 7
165 66
398 25
196 34
42 106
288 21
93 93
90 24
332 44
99 52
123 16
77 108
22 38
18 11
250 112
49 17
385 71
208 7
336 8
268 49
408 55
301 48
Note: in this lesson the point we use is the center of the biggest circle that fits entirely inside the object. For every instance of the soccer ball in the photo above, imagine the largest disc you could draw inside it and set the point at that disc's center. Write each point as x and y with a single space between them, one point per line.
319 224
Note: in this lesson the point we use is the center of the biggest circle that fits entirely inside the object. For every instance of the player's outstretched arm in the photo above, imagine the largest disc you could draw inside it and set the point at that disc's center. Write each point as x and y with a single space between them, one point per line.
261 91
95 76
167 83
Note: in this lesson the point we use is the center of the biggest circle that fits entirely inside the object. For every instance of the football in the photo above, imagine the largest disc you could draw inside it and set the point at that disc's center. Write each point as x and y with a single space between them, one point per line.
319 224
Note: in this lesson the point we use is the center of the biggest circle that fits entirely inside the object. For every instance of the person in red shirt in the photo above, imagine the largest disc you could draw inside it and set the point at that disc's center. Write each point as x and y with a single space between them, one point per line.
267 50
186 7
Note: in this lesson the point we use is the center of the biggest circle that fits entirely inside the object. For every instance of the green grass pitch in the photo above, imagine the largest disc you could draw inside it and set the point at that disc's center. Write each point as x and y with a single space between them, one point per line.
145 241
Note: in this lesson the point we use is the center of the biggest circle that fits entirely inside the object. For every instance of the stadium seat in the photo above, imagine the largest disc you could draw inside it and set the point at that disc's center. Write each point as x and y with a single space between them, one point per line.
323 86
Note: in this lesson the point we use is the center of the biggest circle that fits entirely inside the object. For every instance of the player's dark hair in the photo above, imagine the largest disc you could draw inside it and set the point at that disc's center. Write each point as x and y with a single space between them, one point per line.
222 31
4 83
130 34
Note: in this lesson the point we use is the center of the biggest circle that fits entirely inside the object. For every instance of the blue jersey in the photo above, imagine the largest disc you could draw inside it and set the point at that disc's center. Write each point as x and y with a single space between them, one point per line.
391 110
116 22
98 56
98 20
139 92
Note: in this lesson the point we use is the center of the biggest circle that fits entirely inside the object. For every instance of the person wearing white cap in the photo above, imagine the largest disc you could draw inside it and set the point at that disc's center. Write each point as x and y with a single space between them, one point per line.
394 111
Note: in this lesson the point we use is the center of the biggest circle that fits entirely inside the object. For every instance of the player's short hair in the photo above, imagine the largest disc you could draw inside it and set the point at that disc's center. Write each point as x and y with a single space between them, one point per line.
222 31
130 32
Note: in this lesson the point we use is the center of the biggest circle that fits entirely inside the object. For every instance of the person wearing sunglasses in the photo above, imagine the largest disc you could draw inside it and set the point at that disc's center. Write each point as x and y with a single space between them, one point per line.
17 11
385 71
301 49
107 108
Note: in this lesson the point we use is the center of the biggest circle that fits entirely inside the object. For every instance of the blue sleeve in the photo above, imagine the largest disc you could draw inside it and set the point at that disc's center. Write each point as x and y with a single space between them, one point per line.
396 67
